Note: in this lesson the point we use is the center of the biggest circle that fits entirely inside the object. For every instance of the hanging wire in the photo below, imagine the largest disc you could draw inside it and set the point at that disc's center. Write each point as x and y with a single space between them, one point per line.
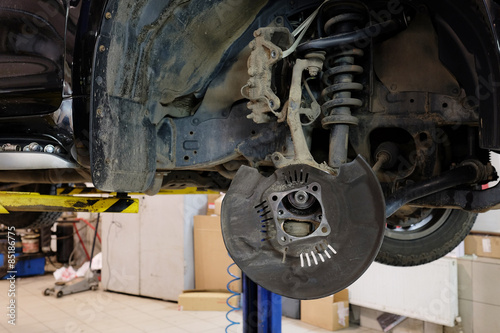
234 294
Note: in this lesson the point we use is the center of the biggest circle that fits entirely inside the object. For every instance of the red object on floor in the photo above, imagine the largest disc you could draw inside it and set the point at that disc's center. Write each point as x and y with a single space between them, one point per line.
81 241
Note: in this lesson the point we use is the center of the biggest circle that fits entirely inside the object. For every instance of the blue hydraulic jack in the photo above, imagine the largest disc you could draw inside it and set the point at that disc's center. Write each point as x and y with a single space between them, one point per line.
261 309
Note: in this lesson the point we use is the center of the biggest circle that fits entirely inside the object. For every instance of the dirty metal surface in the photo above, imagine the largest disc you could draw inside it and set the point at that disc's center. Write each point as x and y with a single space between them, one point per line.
418 53
207 139
313 266
265 55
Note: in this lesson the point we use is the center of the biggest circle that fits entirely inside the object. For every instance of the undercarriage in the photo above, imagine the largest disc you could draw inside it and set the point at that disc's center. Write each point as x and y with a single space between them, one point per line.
343 131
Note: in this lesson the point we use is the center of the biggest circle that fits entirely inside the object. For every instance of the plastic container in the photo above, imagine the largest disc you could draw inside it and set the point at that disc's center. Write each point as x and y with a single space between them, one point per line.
31 243
27 265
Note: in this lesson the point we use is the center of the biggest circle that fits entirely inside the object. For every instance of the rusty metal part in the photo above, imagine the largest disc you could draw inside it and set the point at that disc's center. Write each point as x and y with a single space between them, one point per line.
478 201
469 172
386 155
418 53
382 158
311 113
265 55
302 154
10 147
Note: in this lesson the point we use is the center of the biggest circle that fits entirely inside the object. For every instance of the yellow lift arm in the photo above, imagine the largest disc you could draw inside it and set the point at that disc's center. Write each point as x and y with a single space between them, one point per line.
72 199
35 202
92 190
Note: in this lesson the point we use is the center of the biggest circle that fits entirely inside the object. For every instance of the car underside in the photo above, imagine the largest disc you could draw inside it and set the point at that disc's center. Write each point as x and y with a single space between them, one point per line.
343 131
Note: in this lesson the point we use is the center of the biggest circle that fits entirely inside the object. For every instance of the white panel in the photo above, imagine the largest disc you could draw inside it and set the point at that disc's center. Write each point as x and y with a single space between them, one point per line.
486 318
194 204
488 222
427 292
162 246
485 286
465 278
120 252
151 253
466 312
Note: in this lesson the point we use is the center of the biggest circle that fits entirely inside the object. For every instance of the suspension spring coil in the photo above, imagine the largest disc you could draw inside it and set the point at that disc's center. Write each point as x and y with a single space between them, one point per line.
228 300
339 81
337 95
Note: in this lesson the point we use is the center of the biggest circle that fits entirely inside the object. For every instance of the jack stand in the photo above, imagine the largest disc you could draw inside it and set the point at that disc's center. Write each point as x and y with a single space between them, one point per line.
261 309
89 282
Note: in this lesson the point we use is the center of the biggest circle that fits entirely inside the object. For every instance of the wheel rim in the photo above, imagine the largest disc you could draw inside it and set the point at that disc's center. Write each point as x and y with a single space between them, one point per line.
433 220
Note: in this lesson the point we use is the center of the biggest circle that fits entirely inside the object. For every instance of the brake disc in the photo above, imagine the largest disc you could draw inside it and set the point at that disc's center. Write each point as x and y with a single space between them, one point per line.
302 232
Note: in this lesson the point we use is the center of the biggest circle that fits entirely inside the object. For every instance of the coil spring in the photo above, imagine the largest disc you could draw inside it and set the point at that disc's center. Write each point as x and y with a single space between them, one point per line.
338 78
234 294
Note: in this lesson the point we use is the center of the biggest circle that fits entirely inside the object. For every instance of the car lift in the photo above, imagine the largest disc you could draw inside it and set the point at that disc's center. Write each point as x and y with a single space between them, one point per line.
78 199
261 308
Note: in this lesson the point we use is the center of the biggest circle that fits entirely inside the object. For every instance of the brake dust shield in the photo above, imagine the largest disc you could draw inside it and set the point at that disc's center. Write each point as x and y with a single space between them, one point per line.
304 233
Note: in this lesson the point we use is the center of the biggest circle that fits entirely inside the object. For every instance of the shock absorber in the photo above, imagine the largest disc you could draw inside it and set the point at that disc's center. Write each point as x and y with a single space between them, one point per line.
338 78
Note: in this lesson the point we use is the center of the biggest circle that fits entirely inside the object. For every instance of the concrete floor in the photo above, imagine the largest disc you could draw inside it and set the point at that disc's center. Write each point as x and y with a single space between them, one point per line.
101 311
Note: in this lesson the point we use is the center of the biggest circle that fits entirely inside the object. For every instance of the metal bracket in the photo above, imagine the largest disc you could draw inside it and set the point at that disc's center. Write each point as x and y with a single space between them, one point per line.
265 54
302 153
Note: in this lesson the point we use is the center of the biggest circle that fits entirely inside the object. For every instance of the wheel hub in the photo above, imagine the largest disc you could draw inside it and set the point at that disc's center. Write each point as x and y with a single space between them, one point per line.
302 232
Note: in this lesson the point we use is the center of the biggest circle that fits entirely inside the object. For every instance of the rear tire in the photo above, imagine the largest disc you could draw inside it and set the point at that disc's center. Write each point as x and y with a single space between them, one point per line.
431 238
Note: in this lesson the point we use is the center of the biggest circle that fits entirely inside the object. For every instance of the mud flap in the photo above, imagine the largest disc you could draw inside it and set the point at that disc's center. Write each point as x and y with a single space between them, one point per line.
123 140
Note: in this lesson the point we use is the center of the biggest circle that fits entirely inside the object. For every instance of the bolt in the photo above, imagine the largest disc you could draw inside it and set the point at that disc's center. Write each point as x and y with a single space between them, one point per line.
108 15
49 149
98 80
301 197
99 112
34 146
102 48
280 212
271 104
313 70
273 54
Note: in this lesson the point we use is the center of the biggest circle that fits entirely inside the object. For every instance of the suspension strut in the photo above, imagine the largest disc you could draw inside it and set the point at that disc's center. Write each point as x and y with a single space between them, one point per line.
338 77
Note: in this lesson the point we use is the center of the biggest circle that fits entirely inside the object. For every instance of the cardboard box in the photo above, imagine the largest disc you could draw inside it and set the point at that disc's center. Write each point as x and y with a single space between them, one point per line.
211 203
483 245
218 205
330 313
210 256
192 300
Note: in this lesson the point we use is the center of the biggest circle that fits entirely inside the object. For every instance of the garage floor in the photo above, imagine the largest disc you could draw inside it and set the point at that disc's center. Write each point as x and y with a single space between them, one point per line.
108 312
